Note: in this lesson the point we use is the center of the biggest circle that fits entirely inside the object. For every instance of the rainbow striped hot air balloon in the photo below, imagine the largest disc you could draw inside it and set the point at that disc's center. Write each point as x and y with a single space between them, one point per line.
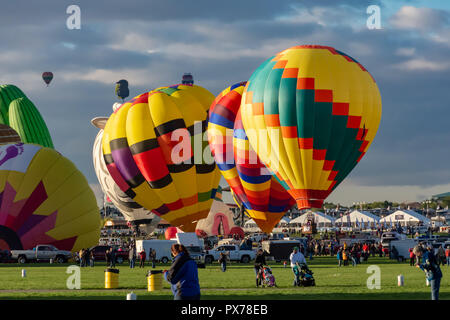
316 111
143 148
253 187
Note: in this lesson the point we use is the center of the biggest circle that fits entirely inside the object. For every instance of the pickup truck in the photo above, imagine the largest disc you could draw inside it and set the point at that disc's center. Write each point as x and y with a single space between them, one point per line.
43 252
233 253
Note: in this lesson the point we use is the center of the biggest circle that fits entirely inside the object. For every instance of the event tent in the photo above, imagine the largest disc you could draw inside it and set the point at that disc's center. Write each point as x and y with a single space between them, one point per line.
320 218
405 218
356 218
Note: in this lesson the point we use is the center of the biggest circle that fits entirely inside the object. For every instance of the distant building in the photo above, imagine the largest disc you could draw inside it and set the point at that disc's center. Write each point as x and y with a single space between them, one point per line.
187 79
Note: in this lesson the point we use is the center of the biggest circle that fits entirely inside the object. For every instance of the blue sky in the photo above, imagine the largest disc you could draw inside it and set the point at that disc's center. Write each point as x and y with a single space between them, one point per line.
152 43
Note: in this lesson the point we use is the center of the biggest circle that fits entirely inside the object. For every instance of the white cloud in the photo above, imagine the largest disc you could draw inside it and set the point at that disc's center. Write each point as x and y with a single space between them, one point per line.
405 52
412 18
420 64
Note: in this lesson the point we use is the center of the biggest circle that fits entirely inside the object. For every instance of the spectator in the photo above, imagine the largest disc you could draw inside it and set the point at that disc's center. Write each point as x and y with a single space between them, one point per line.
440 255
142 257
412 257
339 257
153 254
107 257
132 256
345 257
113 257
91 258
82 256
447 255
296 258
183 275
433 273
223 261
260 261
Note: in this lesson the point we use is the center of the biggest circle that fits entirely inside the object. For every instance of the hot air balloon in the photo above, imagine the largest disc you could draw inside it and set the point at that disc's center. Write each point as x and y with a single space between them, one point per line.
47 77
313 112
122 90
154 150
133 212
18 112
8 93
252 185
45 200
28 122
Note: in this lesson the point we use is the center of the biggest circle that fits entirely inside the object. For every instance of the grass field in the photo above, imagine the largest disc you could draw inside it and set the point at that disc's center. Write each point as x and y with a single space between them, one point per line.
48 281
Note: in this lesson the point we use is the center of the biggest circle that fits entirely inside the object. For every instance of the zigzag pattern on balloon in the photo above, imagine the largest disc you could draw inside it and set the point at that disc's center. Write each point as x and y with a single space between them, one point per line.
140 141
319 109
252 185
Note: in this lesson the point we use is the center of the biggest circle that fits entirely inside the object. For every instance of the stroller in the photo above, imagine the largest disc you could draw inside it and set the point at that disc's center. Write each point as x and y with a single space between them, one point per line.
303 276
268 279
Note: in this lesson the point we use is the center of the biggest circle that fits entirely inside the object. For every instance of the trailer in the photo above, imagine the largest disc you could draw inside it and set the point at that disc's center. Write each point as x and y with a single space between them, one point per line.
402 247
279 249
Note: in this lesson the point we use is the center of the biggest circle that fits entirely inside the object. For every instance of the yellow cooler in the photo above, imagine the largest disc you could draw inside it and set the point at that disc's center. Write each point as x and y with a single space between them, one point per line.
155 280
111 278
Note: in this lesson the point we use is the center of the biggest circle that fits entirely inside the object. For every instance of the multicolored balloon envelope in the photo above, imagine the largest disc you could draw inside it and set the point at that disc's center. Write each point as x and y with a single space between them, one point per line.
132 211
154 150
252 184
315 111
44 199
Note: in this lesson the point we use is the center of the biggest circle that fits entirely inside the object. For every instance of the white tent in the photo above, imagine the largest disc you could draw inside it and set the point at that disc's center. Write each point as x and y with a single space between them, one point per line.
320 218
283 222
357 217
406 218
250 224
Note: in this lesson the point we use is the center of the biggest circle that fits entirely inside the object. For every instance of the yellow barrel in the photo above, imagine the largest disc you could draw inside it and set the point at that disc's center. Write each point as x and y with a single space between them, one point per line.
155 280
111 278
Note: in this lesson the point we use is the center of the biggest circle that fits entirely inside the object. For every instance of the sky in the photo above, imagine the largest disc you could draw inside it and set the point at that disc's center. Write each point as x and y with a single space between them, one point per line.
152 43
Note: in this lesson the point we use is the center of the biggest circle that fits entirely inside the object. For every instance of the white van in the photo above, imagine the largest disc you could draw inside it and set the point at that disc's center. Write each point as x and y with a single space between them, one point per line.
162 248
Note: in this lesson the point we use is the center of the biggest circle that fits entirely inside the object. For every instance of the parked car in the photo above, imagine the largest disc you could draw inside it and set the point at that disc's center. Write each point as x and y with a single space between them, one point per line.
100 251
233 253
42 252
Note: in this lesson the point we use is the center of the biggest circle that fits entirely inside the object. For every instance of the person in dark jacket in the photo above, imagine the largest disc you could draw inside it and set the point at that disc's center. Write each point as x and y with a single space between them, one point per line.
223 261
432 270
260 261
183 275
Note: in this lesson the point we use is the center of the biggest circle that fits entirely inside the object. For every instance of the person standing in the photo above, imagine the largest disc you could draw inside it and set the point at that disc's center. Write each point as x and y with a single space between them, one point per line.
132 256
91 258
296 258
113 257
223 261
447 255
345 257
142 256
432 270
153 253
183 275
440 255
260 261
81 254
150 256
339 257
107 257
412 257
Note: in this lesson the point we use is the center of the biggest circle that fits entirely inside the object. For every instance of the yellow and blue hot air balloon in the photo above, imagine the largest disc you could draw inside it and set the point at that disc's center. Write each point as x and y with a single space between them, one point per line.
315 111
155 151
44 199
252 185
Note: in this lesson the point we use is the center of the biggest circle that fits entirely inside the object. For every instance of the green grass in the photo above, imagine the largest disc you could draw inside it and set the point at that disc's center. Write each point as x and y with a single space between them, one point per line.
45 281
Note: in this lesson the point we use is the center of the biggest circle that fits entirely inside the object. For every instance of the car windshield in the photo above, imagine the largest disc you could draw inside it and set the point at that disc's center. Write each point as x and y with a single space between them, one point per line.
194 249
